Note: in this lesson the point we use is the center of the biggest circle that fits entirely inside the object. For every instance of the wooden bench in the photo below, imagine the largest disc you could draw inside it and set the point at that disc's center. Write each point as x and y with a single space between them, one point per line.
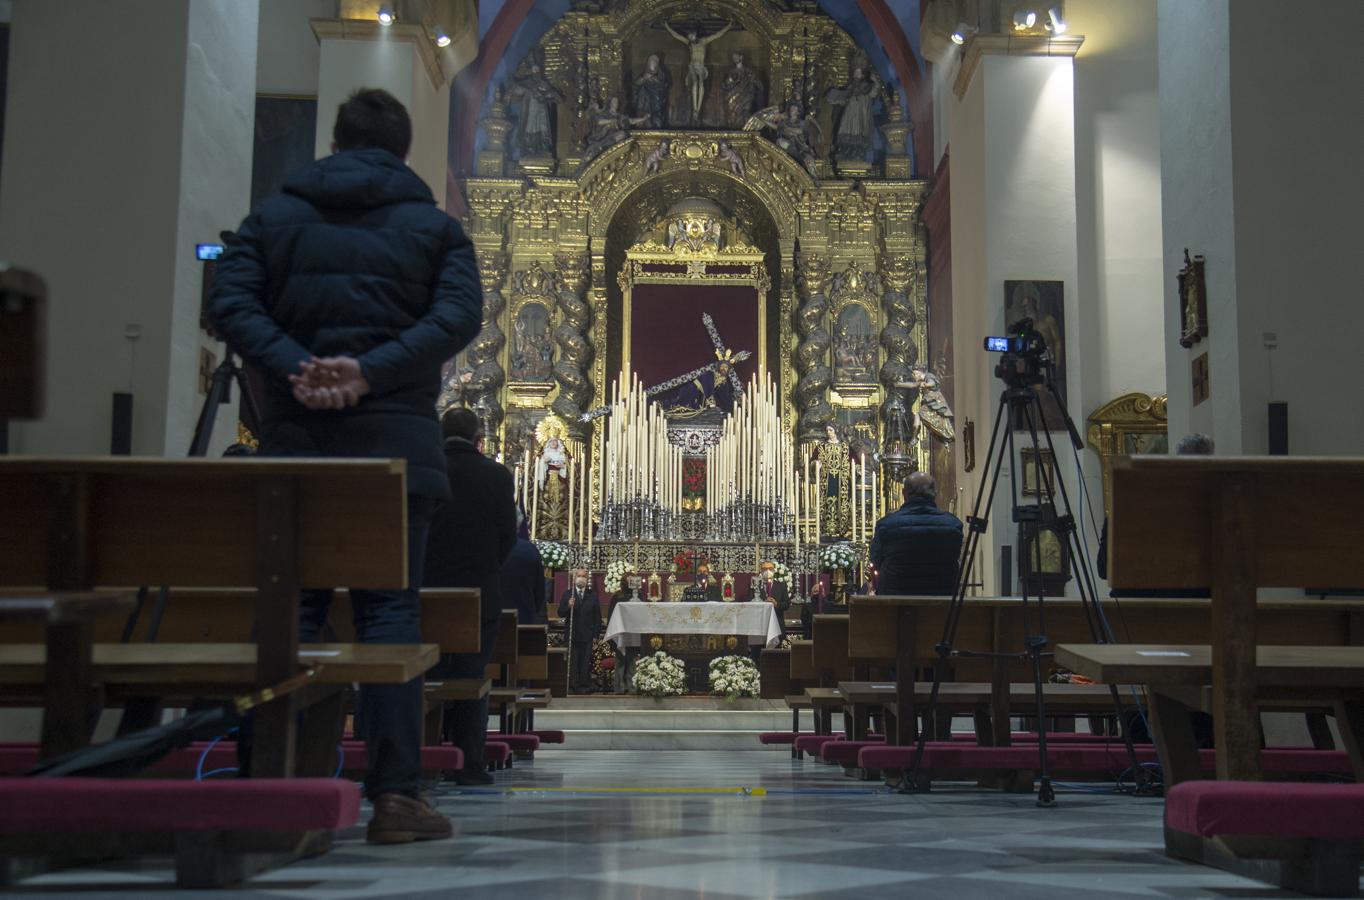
1236 525
273 525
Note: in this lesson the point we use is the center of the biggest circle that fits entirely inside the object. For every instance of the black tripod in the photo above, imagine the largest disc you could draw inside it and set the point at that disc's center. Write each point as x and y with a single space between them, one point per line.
219 393
1020 402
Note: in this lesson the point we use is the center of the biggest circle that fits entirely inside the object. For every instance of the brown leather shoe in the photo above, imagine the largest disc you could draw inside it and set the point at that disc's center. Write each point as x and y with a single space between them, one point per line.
400 819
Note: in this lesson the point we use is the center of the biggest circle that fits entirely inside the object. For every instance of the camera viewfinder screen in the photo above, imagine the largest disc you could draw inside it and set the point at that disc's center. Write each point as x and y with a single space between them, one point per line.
997 344
208 251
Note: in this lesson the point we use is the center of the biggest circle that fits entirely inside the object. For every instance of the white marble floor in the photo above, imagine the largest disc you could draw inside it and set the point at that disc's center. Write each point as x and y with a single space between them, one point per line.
670 825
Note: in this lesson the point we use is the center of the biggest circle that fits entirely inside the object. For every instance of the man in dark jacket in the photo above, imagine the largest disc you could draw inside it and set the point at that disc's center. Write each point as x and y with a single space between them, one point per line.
521 581
471 536
917 548
579 607
348 291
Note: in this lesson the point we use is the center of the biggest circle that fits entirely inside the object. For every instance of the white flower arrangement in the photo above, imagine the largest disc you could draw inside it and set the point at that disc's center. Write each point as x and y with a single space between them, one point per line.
782 572
837 556
734 676
554 555
660 675
615 575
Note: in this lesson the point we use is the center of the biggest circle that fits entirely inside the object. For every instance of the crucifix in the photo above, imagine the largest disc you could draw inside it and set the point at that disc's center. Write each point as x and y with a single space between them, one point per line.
723 356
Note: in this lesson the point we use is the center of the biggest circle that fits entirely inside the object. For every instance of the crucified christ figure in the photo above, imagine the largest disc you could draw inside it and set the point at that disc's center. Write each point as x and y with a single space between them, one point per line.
696 66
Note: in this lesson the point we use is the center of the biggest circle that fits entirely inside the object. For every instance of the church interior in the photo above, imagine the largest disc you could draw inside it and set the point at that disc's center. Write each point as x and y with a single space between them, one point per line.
761 281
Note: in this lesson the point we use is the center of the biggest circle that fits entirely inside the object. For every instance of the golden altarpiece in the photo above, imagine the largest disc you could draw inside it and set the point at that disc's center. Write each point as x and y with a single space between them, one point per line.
609 158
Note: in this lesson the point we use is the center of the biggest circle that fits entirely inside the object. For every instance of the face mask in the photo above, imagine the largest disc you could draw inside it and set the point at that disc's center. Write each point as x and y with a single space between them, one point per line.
580 584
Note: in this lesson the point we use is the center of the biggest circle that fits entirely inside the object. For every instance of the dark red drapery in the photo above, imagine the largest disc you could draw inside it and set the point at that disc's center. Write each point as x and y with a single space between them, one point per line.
668 338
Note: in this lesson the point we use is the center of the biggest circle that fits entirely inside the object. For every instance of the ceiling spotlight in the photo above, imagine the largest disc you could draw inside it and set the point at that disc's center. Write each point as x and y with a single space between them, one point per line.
442 39
386 16
962 32
1024 19
1054 22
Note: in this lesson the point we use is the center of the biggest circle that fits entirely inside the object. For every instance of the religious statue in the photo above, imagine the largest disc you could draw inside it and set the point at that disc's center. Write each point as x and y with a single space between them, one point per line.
792 130
551 480
708 389
609 127
455 384
835 464
852 137
697 73
932 409
654 161
651 93
742 90
535 132
694 235
727 154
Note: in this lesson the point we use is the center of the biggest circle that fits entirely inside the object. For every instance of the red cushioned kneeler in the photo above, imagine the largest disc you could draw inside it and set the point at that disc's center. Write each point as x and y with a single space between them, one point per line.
220 832
844 753
519 743
810 743
550 737
1304 837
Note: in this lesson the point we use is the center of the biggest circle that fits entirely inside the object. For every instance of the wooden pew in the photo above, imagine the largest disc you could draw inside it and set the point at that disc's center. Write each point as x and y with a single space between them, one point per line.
273 525
1237 524
906 630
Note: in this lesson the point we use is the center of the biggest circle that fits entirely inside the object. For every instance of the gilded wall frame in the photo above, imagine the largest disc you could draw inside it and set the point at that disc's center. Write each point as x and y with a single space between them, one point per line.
1130 425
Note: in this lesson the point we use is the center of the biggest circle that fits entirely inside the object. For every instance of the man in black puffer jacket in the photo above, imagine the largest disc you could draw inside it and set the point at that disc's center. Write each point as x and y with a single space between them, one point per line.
348 291
917 548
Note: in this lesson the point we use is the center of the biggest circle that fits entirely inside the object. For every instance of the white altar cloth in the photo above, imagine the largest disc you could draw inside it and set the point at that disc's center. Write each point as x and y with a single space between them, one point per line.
754 620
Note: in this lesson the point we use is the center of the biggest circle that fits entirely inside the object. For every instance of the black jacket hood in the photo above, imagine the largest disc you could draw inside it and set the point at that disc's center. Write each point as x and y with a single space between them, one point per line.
358 179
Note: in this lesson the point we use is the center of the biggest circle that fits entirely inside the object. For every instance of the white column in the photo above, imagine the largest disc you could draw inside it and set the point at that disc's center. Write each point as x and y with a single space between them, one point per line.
401 59
128 139
1013 218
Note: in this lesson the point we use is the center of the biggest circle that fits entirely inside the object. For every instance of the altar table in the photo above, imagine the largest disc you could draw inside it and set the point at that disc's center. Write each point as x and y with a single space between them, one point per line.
753 620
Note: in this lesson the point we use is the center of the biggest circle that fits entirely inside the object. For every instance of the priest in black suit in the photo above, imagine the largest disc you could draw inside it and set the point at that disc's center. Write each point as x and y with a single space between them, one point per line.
580 610
707 585
767 589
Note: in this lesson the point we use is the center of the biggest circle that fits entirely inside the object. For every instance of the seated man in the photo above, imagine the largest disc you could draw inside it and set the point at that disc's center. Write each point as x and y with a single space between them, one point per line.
917 548
706 589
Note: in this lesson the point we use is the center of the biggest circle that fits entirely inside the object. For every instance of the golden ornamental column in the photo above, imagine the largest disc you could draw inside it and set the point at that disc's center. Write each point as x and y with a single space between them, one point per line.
572 371
897 274
486 349
812 354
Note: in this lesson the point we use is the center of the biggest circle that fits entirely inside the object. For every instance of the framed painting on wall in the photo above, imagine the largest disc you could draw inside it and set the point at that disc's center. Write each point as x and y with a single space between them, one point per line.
1193 301
1043 303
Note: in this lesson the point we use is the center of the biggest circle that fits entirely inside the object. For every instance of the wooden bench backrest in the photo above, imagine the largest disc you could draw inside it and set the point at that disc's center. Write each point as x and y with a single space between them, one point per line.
532 648
81 523
830 633
803 662
505 647
1305 512
774 674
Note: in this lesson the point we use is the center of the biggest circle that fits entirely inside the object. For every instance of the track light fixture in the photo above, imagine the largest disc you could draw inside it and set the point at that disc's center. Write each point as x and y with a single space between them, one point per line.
962 32
1055 24
442 39
1024 19
387 16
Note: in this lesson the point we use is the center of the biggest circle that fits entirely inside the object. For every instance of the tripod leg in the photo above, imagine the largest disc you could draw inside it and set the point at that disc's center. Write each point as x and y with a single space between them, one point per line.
1046 796
203 429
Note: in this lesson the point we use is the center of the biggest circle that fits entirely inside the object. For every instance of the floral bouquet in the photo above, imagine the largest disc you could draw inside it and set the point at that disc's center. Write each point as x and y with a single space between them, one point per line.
615 575
782 572
734 676
554 555
660 675
833 557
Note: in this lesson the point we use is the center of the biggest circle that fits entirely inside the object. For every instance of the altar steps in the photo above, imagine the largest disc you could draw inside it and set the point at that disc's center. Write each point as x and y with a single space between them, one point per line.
682 723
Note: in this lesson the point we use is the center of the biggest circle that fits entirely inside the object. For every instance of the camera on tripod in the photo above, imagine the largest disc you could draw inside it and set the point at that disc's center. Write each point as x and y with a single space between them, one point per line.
1025 360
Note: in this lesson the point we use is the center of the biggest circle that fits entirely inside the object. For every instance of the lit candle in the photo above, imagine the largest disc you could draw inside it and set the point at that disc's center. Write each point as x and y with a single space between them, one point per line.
572 519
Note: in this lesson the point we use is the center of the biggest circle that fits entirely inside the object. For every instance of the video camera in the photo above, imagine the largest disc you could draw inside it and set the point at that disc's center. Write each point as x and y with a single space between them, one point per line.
1025 359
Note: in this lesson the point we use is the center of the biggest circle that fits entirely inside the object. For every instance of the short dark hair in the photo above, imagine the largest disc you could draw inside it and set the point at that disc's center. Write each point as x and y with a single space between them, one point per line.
1194 445
372 117
920 484
460 422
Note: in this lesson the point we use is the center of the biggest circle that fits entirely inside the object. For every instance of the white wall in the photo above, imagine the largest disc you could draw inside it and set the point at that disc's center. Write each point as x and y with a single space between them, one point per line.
1297 112
289 55
1262 123
91 200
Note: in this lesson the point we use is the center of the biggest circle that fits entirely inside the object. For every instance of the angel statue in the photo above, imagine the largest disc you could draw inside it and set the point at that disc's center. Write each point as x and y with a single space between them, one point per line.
793 131
697 73
932 409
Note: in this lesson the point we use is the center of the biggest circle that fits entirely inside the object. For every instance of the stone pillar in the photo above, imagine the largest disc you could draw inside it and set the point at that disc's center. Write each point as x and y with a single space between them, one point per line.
1013 218
124 146
403 60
